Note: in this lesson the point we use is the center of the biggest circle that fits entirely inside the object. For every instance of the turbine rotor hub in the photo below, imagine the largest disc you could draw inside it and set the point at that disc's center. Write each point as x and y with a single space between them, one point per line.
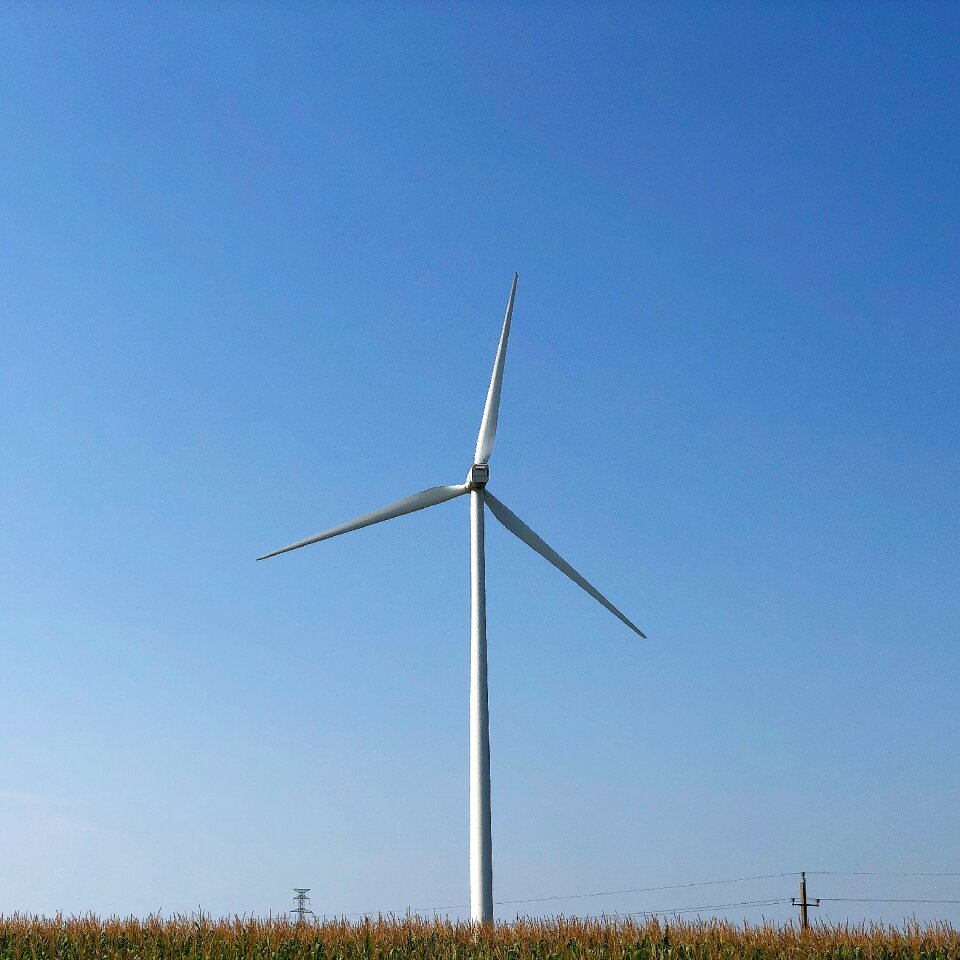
479 476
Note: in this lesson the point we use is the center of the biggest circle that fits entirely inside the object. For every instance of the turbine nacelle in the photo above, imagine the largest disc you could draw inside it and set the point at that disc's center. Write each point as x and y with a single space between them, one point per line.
478 477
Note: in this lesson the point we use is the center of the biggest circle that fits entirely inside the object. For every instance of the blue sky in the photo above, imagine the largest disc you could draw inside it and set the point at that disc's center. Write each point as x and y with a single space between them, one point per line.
253 263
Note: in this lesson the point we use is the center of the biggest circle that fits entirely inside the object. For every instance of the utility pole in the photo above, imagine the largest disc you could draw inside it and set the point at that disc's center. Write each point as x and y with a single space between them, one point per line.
803 903
302 900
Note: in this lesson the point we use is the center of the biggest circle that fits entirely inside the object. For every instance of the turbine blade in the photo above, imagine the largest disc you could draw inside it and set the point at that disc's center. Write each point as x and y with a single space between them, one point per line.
418 501
491 411
519 529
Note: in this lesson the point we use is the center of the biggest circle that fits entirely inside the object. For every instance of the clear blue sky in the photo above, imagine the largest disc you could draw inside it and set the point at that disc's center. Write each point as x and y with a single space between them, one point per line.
253 263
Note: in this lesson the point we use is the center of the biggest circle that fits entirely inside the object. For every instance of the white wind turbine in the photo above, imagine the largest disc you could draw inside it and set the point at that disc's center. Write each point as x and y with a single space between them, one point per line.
481 871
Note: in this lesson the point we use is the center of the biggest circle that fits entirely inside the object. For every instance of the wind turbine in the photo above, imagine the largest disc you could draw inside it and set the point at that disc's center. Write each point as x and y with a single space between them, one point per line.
481 870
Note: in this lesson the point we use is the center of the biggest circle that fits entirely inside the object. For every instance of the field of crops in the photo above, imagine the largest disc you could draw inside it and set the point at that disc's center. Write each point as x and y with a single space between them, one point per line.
89 938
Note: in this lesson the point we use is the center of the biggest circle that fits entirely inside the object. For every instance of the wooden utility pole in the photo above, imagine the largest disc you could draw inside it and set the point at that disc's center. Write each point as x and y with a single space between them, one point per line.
803 903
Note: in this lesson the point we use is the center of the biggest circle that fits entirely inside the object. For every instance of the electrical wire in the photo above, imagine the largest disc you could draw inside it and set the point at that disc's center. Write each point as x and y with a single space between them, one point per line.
676 911
703 883
875 873
878 900
672 886
613 893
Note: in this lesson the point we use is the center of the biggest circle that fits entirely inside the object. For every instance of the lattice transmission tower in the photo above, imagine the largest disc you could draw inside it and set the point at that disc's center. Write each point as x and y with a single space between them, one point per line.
302 901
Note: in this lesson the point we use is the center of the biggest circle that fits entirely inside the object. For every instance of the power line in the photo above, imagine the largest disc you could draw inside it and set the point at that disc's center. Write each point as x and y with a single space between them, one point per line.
881 900
672 886
601 893
676 911
705 883
613 893
878 873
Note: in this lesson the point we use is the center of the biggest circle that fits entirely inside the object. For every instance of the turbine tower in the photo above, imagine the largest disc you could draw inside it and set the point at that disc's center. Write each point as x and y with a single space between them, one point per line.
481 869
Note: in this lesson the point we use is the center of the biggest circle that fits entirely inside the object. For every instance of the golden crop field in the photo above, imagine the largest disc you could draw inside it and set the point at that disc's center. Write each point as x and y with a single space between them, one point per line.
186 938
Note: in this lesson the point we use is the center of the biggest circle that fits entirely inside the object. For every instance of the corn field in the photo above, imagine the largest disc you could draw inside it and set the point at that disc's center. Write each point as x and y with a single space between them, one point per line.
189 938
